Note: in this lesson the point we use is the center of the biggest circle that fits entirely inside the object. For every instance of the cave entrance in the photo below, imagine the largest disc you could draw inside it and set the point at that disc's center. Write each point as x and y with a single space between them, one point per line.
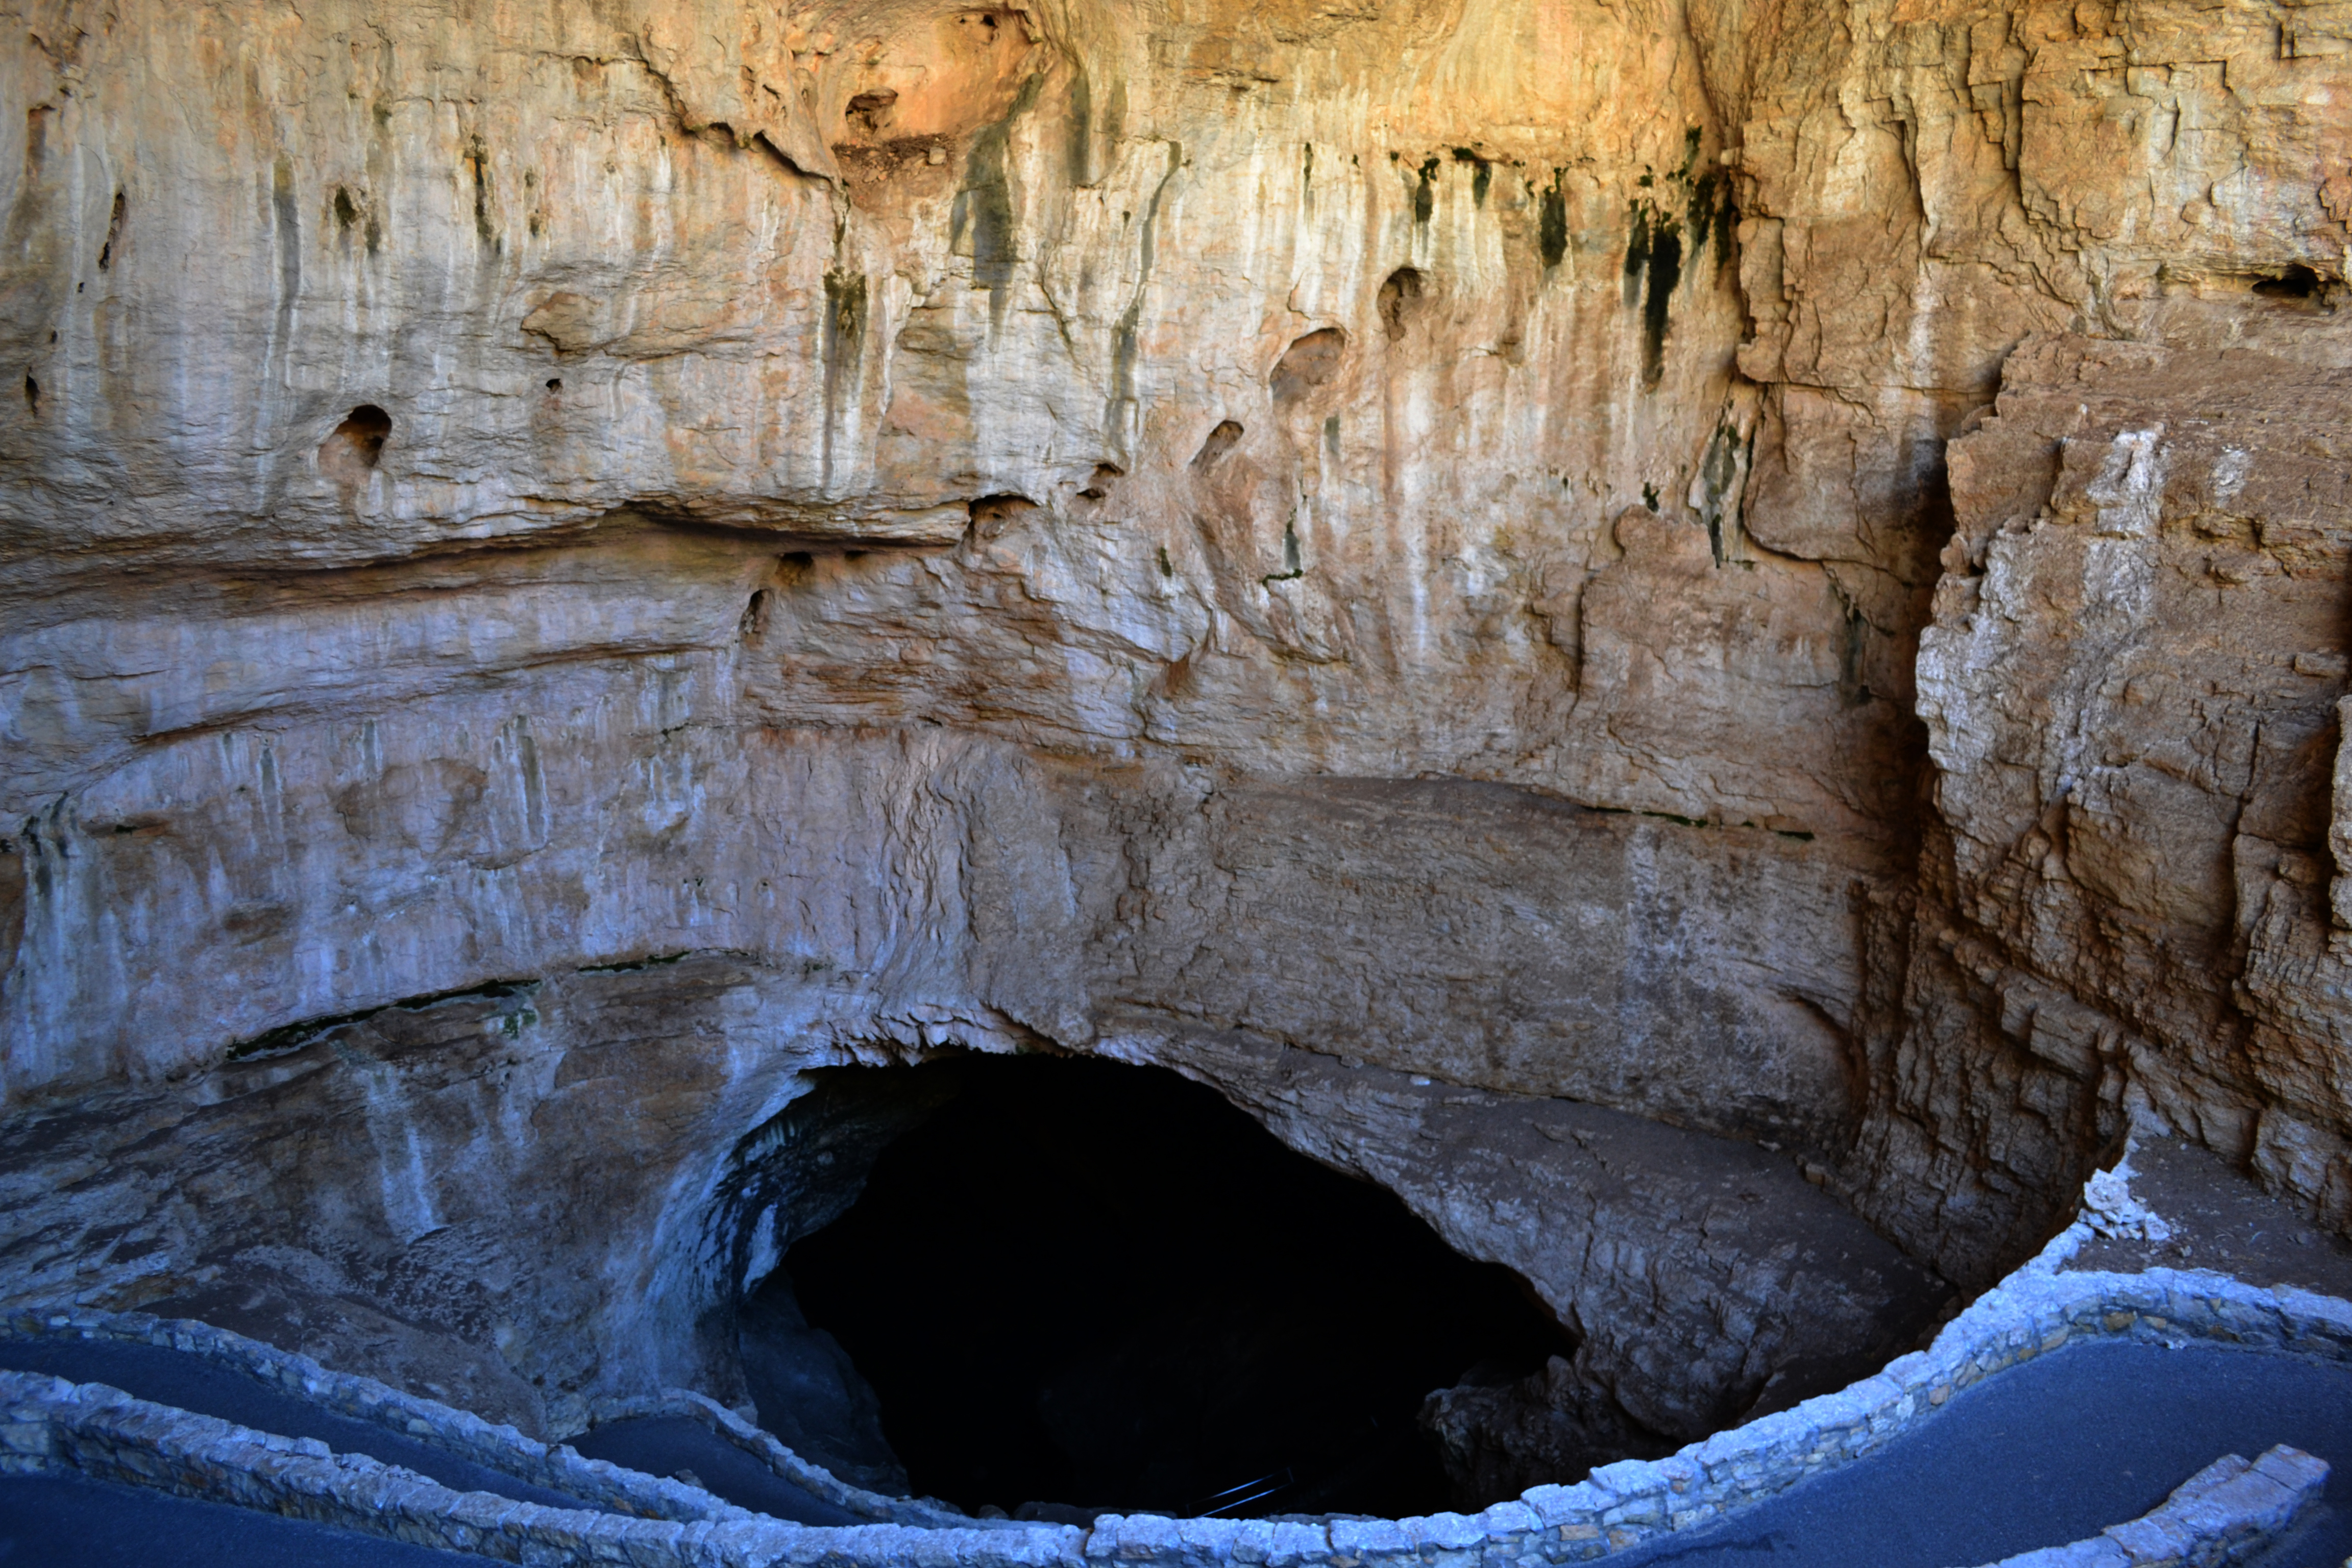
1075 1286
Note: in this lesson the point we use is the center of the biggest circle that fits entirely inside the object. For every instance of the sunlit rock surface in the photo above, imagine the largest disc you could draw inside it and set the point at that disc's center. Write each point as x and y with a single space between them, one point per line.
1471 541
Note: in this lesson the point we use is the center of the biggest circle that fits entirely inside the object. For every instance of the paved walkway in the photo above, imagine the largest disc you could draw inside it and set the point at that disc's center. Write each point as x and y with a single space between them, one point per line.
2047 1453
67 1522
664 1444
659 1446
192 1383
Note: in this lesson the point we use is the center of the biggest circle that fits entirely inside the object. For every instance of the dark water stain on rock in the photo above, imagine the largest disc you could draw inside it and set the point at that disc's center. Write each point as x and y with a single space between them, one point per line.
1424 192
843 349
1653 266
980 220
1123 346
1081 147
1551 223
1481 174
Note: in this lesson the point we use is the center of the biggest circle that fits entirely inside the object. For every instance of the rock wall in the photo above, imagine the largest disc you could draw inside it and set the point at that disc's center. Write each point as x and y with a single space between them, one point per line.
2131 687
1473 538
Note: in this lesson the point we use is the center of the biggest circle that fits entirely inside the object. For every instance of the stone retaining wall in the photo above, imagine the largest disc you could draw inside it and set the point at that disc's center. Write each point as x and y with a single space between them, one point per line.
47 1424
2035 1311
2227 1511
556 1467
461 1433
815 1479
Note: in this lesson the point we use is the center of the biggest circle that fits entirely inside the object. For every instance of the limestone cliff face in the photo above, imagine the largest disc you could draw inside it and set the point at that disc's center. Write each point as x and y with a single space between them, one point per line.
1471 537
2131 687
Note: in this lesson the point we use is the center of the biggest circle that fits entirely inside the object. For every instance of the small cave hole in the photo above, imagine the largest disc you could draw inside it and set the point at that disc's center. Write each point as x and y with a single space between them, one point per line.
1098 486
1220 440
2293 283
1308 362
1398 293
1075 1286
365 429
32 394
554 383
870 113
991 515
355 446
755 617
113 232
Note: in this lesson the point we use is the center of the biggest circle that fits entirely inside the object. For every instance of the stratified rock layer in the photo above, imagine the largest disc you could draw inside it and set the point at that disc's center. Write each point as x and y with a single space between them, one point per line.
1427 536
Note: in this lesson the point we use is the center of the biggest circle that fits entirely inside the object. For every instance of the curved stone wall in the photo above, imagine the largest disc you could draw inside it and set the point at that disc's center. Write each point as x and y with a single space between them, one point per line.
101 1432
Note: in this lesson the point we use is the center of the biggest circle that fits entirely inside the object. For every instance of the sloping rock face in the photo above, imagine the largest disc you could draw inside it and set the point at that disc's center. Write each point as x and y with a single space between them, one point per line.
1472 541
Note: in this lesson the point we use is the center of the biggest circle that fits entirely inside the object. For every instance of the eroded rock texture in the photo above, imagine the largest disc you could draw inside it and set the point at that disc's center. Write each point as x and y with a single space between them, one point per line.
1462 540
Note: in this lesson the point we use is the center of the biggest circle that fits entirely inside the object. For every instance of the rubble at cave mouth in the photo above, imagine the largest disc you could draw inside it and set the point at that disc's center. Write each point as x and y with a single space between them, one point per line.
1078 1286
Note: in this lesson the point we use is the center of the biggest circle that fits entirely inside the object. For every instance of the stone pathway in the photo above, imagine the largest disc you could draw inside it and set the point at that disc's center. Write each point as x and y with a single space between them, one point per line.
71 1521
192 1383
2048 1453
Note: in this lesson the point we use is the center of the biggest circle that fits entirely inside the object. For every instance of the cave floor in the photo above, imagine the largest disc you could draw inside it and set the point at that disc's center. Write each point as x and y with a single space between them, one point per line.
2047 1453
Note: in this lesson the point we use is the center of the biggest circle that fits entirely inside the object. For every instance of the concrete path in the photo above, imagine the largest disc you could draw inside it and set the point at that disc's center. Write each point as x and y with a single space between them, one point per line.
67 1522
2049 1453
192 1383
664 1444
660 1446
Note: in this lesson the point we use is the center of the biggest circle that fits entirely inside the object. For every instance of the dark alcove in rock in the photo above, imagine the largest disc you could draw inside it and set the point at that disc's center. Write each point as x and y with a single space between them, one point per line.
1080 1286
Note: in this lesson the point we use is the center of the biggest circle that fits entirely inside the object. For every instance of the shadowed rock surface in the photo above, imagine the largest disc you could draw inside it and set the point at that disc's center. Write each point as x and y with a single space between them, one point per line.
809 1392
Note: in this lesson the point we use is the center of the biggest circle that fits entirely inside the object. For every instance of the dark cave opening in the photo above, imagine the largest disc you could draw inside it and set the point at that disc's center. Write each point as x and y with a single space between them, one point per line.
1078 1286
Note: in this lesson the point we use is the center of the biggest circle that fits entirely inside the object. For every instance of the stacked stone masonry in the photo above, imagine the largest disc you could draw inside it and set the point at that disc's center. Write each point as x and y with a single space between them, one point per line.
2226 1511
556 1467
